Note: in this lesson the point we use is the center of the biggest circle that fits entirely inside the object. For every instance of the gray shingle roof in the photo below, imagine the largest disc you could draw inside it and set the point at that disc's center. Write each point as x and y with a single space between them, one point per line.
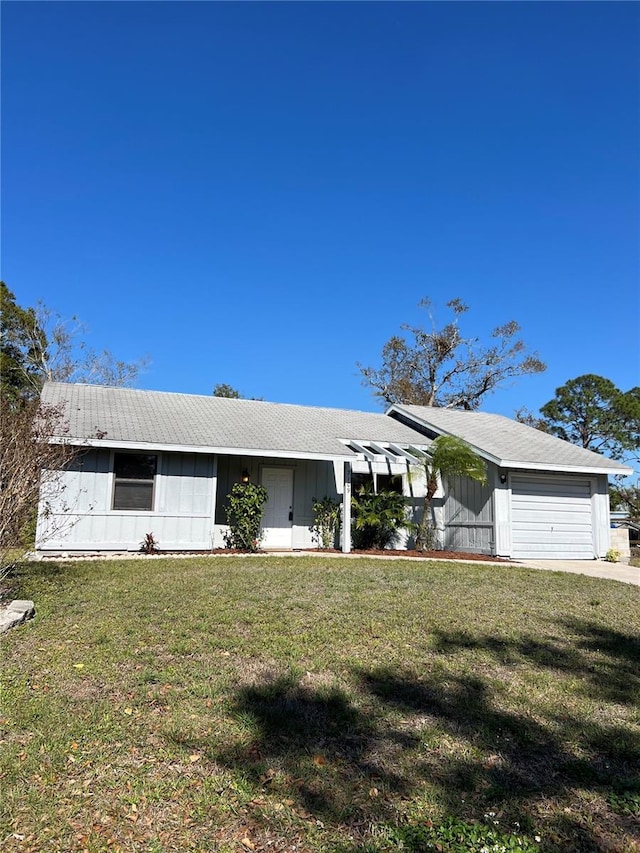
509 442
186 420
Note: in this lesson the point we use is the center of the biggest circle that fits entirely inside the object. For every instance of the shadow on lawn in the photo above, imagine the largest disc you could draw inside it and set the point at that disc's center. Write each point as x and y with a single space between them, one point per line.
606 661
317 746
344 762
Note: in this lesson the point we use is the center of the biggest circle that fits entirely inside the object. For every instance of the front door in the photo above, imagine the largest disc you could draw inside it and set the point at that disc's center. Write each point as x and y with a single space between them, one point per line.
277 523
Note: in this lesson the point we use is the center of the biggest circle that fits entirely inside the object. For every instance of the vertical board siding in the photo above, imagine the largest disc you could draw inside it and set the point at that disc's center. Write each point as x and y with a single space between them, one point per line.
601 517
311 479
186 483
468 516
181 518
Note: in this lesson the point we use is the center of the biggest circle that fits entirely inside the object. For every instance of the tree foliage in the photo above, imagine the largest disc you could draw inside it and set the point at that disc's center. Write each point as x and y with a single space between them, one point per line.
592 412
21 342
441 367
447 457
38 345
377 517
224 390
626 498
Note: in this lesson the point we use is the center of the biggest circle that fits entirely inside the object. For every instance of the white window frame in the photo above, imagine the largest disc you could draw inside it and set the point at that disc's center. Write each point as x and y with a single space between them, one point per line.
114 479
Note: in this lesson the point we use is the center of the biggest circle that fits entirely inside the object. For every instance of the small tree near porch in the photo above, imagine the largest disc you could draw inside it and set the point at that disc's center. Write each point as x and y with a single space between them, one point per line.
447 457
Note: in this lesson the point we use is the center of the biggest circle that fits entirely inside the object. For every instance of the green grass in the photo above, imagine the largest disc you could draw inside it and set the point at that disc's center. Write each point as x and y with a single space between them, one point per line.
361 706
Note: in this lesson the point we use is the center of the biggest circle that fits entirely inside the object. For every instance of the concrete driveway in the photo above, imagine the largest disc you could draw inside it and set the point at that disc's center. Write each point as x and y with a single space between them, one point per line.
593 568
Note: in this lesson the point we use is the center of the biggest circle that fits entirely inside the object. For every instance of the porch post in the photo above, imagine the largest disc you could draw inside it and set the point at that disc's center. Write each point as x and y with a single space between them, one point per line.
346 509
214 494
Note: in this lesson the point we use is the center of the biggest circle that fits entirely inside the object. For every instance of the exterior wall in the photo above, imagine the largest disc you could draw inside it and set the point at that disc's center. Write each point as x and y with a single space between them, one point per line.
501 511
311 479
187 488
82 518
468 515
190 488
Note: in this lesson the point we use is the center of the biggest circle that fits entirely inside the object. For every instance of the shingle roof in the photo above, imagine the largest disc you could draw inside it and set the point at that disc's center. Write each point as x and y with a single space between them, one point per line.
185 420
508 442
134 417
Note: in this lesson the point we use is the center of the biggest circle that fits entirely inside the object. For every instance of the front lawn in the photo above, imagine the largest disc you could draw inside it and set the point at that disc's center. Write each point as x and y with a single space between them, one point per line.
301 704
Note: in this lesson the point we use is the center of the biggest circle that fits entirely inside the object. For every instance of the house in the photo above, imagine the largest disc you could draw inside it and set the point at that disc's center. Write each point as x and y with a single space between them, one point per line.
544 498
164 463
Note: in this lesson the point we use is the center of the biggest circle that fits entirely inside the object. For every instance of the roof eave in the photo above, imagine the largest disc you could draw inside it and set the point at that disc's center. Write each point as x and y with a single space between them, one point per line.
568 469
483 454
520 464
195 448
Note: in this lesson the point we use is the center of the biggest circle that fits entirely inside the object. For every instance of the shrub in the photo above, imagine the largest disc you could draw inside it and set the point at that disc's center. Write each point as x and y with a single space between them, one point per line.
377 518
149 544
244 511
326 514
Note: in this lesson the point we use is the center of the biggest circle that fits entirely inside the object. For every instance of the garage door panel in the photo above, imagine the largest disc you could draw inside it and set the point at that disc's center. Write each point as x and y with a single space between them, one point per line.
546 517
580 532
554 490
558 502
542 535
549 515
561 551
551 518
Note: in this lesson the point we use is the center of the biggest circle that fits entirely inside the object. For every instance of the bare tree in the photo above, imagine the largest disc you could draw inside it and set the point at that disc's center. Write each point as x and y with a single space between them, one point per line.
68 358
30 464
38 345
441 367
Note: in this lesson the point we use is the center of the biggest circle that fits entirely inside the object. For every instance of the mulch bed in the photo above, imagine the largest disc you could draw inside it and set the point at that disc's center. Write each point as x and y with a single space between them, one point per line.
439 555
429 555
423 555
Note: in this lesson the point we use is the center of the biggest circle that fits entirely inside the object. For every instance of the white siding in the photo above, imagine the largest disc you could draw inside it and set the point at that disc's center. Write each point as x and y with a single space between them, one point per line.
551 517
82 518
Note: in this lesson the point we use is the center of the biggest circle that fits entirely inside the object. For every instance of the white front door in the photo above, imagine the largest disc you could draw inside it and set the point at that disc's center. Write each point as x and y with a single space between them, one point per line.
277 523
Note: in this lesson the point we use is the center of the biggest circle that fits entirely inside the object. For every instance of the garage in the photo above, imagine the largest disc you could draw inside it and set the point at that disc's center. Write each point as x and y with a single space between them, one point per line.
551 518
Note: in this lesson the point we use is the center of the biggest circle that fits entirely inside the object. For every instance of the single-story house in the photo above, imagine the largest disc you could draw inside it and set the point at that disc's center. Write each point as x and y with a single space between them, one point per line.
163 463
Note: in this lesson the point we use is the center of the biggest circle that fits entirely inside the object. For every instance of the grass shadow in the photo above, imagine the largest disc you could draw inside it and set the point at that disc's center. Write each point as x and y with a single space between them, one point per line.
606 662
329 750
314 744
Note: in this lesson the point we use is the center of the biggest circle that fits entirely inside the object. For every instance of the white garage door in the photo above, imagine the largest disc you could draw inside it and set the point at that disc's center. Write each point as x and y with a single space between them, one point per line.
551 518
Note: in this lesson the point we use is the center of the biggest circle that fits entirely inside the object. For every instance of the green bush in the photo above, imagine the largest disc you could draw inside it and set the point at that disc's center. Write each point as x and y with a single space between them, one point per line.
377 518
326 514
244 511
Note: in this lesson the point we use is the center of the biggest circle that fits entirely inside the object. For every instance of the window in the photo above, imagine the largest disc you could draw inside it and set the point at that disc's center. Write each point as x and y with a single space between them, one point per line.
377 482
134 478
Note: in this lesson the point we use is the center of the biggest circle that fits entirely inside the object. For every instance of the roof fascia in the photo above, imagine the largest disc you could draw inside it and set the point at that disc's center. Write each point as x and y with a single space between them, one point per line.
568 469
223 451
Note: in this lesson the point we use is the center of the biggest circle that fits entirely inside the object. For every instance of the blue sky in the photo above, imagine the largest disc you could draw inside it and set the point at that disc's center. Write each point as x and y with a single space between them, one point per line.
261 193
